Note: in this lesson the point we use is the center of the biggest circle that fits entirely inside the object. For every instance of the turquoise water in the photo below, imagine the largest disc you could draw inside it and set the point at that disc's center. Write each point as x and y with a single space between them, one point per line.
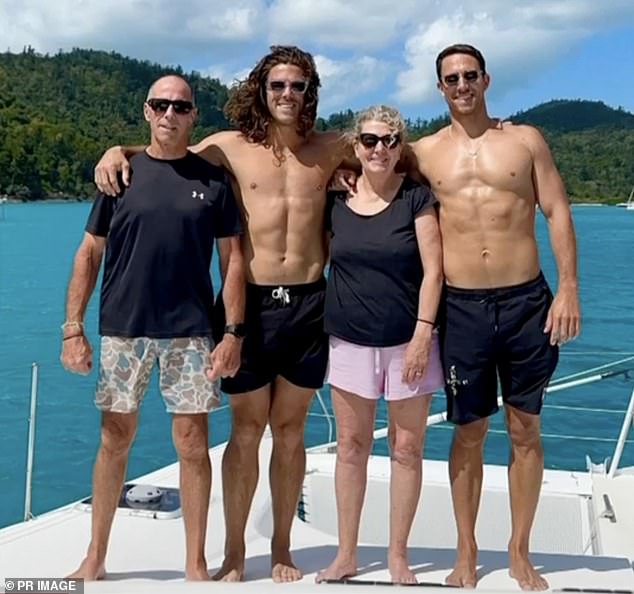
37 243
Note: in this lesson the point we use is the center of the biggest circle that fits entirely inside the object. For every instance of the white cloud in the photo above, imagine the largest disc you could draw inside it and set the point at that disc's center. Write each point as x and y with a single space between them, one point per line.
224 75
234 24
517 41
361 24
344 80
360 44
161 30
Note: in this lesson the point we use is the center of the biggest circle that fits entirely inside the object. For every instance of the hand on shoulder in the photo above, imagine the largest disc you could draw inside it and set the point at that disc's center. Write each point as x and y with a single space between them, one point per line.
112 163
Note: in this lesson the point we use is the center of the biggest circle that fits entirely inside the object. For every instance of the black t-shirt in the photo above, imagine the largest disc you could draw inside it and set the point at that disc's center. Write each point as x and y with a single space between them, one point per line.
160 234
375 269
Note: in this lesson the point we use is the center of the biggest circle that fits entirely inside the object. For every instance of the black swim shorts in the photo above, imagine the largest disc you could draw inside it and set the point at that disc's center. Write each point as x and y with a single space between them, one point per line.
285 336
496 334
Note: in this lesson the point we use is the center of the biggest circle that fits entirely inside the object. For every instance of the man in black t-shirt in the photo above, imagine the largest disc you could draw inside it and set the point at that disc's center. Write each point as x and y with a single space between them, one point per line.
156 306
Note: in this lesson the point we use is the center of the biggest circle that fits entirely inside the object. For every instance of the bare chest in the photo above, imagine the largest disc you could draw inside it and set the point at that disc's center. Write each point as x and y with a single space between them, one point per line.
262 173
492 168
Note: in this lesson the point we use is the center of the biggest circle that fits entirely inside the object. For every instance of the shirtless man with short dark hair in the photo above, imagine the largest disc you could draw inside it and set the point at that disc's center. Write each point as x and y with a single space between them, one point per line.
501 321
281 169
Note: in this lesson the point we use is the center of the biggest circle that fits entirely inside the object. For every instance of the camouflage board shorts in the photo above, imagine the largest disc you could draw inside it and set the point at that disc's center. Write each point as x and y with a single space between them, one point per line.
126 364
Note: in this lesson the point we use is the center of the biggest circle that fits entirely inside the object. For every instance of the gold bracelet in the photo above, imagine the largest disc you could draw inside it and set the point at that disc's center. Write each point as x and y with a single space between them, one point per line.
73 324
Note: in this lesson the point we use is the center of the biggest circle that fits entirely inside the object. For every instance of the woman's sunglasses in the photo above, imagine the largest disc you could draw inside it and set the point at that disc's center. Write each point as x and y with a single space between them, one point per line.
162 105
389 141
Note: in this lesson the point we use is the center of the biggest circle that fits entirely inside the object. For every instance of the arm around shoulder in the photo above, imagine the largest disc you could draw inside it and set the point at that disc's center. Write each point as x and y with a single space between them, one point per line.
414 158
214 148
113 162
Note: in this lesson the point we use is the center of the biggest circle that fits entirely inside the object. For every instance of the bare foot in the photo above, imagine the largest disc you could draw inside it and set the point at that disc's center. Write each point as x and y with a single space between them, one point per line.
464 574
197 574
283 569
337 570
522 570
400 571
232 570
89 570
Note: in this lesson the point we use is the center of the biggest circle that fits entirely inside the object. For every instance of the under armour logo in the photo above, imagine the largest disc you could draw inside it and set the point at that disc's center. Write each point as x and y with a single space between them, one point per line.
199 195
282 294
453 382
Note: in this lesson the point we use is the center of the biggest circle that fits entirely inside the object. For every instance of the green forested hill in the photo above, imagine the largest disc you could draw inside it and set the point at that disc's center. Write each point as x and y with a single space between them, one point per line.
57 113
562 115
593 146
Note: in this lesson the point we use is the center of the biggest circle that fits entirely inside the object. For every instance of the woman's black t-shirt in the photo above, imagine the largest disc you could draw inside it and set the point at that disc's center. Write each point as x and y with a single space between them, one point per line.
375 269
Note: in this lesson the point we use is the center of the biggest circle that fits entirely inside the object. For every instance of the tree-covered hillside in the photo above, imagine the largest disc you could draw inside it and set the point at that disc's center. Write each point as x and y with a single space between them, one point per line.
562 115
57 113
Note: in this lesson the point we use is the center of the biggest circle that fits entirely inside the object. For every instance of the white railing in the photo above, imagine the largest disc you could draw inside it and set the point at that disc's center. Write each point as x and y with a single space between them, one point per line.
570 381
628 422
31 444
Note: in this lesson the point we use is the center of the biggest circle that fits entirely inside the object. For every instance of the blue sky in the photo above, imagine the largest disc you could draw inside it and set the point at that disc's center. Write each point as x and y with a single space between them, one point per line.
594 68
367 51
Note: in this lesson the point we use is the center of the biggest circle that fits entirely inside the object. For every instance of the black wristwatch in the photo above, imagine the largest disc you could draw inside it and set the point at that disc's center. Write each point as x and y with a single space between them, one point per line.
238 330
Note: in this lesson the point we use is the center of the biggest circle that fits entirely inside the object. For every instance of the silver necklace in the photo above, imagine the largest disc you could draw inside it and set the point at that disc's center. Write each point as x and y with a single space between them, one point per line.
473 151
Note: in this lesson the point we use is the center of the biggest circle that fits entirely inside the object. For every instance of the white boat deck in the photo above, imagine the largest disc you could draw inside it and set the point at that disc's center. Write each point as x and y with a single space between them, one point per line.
147 555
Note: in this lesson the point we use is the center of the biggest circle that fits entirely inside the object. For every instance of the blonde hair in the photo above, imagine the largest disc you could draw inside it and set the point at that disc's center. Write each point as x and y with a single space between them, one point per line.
378 113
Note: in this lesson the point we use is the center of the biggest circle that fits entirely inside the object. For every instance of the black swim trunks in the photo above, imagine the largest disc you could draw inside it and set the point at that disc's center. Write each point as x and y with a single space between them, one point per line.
285 336
491 334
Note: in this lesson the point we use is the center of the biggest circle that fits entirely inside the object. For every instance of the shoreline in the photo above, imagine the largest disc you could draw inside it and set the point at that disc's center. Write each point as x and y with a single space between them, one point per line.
9 200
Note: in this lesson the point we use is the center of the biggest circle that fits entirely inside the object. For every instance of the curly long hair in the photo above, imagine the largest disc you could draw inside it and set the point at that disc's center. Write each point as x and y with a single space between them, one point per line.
246 107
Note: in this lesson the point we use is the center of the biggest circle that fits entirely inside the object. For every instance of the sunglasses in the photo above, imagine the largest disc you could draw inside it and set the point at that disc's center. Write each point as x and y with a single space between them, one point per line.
389 141
279 86
162 105
470 76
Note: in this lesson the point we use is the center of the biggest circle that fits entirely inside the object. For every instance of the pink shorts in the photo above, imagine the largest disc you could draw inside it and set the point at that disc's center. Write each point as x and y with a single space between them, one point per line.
372 371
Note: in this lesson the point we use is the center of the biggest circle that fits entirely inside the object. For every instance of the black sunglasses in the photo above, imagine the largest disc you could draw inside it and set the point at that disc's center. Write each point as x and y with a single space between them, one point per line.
470 76
389 141
297 86
162 105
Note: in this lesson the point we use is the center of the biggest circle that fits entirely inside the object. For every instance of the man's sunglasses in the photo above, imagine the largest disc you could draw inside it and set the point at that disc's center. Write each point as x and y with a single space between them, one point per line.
279 86
162 105
470 76
389 141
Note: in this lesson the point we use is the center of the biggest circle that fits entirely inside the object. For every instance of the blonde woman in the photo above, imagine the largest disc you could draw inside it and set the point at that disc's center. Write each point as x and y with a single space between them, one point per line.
382 297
